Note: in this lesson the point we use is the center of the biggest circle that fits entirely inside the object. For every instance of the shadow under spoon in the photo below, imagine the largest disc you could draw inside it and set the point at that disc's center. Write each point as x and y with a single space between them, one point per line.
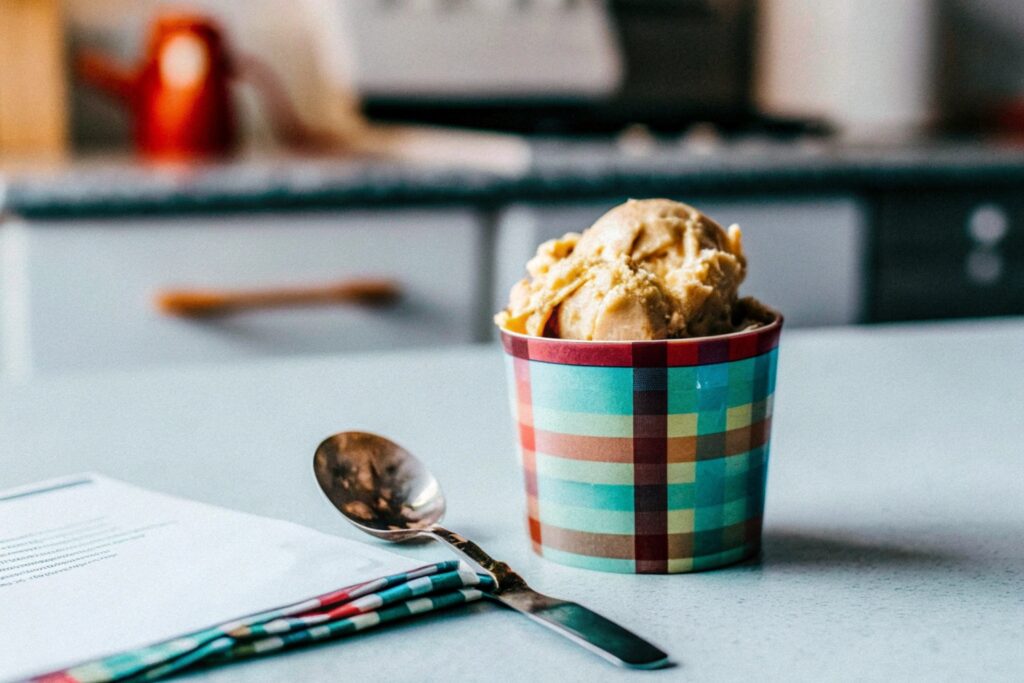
388 493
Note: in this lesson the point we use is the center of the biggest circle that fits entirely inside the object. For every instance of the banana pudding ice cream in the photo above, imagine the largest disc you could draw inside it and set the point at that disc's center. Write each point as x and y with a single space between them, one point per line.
647 269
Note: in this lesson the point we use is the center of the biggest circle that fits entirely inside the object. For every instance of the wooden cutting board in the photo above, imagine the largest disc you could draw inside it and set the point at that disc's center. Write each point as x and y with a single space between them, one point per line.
33 84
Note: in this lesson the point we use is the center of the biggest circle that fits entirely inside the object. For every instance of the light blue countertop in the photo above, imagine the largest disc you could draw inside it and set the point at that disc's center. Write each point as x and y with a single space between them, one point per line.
894 537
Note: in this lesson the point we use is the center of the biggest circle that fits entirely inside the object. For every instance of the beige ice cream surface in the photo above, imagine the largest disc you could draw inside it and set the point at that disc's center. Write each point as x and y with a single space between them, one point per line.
647 269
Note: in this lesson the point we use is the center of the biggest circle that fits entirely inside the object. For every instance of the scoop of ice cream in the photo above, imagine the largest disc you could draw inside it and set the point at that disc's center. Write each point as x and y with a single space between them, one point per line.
617 300
647 269
699 262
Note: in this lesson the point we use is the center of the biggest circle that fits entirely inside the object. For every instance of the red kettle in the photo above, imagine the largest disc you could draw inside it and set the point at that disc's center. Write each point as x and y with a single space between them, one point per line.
179 95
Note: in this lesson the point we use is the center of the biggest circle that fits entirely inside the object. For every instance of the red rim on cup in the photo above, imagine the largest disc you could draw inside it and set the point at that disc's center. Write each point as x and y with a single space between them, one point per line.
646 456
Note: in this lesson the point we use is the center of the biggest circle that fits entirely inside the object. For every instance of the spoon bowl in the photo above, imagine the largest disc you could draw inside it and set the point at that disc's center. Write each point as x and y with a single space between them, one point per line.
385 491
378 486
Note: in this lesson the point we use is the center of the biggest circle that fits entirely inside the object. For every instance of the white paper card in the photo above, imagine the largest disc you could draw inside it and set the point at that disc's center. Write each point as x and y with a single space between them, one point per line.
90 566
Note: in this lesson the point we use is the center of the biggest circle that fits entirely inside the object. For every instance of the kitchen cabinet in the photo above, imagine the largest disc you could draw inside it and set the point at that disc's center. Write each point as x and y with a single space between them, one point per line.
948 254
806 256
78 294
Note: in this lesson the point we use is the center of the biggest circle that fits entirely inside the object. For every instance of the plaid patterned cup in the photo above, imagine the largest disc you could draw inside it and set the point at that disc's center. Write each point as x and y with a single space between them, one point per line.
644 457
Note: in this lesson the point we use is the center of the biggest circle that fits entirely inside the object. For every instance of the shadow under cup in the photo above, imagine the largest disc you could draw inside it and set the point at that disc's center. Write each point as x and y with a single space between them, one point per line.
644 457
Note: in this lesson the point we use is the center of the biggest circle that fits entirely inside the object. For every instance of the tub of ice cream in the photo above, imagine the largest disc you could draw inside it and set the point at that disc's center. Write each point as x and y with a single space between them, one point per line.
642 387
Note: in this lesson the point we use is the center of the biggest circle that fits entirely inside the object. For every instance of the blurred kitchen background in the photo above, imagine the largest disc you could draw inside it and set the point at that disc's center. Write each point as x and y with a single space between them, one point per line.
180 181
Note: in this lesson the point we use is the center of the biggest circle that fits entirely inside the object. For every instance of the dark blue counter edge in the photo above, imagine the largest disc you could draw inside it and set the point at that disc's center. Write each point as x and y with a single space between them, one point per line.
541 186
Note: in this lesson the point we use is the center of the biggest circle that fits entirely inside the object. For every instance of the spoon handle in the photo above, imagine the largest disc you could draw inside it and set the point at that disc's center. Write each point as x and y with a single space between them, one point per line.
581 625
585 627
499 571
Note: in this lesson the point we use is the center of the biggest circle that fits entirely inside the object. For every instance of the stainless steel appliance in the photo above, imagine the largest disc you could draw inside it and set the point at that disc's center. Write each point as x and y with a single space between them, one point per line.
546 65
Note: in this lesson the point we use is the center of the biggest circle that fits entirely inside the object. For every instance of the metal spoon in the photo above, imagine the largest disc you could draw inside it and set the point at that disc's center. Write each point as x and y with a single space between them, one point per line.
385 491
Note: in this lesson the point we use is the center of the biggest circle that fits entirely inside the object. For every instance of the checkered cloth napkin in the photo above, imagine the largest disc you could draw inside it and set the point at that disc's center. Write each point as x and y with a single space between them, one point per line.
333 615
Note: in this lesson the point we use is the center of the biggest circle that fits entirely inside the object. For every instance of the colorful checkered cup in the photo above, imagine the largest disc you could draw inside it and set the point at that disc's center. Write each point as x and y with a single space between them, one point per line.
644 457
